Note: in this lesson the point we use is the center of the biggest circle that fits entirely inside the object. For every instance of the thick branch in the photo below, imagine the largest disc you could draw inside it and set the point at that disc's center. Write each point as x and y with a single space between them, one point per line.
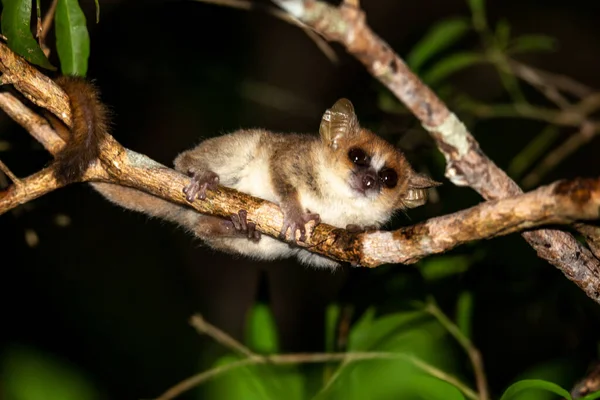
28 189
37 126
467 165
37 87
558 203
561 202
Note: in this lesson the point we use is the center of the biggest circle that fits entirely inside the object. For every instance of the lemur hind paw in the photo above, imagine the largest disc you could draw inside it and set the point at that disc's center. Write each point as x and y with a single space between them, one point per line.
241 224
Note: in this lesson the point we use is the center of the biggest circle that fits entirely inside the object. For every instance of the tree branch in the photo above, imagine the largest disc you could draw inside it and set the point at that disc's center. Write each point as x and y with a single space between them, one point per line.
467 165
561 202
28 189
583 136
9 173
540 78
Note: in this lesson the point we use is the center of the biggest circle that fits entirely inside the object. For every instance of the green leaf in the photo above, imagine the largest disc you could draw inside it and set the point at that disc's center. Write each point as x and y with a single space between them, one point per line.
440 267
72 39
464 313
559 371
240 383
388 379
430 388
450 65
509 81
414 335
369 336
478 13
97 10
529 384
15 22
38 10
260 382
439 37
372 379
261 330
532 43
410 335
365 320
503 33
30 375
591 396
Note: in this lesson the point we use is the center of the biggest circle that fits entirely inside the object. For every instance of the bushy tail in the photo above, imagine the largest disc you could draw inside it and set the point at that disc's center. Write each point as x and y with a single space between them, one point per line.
90 127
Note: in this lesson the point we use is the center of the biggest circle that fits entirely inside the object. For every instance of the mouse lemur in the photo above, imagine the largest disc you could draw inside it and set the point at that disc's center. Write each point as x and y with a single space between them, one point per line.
347 177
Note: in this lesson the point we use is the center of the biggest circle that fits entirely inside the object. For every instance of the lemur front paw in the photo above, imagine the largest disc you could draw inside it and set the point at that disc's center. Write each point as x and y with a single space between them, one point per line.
296 222
242 226
200 183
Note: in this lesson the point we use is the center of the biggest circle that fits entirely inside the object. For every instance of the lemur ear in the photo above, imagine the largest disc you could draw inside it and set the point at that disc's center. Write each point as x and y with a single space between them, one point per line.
416 195
338 123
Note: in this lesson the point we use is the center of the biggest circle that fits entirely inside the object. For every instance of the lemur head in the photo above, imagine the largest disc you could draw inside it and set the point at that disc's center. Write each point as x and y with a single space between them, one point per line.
372 168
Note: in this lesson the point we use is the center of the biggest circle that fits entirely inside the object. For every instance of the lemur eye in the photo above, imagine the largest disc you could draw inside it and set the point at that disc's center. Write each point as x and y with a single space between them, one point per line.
388 177
359 157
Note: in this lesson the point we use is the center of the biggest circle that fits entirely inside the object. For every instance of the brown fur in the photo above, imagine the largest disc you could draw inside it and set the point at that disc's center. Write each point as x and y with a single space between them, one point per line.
305 174
90 126
374 145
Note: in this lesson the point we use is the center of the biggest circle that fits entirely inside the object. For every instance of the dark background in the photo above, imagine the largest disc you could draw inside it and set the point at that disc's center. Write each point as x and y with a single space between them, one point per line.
112 291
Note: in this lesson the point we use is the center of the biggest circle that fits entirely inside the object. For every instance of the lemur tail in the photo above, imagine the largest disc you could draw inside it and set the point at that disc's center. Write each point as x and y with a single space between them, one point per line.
90 127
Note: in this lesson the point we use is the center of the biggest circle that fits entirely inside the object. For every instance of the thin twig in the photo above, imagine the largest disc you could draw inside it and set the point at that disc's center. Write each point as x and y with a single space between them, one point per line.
557 203
300 358
548 89
467 165
9 173
198 379
561 82
249 5
334 377
38 17
37 126
45 28
315 358
204 327
572 116
472 352
48 19
556 156
550 85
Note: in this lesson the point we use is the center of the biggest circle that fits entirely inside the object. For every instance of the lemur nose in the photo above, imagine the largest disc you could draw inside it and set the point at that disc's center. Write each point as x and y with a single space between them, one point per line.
369 181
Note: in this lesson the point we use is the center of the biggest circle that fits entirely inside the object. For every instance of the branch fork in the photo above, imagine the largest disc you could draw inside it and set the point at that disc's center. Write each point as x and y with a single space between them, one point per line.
557 203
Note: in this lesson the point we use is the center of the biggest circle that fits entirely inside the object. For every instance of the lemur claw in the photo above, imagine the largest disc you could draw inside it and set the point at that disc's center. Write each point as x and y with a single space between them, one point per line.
241 224
199 184
296 222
